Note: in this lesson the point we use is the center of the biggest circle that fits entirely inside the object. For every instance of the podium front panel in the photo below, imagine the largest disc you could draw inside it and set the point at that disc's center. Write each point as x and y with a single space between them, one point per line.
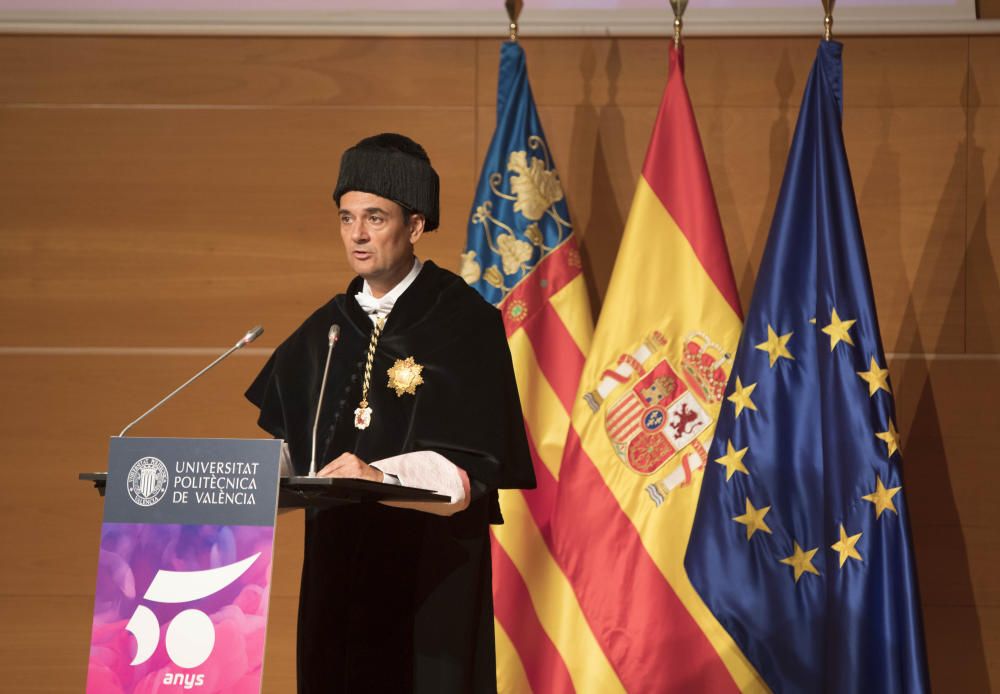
184 569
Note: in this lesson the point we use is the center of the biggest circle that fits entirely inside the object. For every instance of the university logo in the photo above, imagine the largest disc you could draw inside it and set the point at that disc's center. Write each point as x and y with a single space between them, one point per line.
664 409
147 481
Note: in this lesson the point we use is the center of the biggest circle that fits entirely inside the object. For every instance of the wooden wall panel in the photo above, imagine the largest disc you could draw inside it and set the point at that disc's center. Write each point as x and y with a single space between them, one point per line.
170 192
944 409
67 409
956 664
943 406
988 9
983 230
738 141
173 227
768 74
908 167
984 70
587 72
882 71
279 654
735 72
44 643
155 71
905 71
983 213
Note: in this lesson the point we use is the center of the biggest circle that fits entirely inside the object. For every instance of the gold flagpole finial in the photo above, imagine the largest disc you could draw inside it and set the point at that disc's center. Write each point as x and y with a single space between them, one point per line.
828 19
514 8
678 6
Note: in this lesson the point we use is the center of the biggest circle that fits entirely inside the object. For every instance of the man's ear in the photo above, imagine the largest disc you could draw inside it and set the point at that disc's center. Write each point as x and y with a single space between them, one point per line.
416 223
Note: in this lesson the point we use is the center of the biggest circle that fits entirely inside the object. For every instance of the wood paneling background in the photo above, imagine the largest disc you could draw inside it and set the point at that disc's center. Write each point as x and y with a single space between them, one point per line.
158 196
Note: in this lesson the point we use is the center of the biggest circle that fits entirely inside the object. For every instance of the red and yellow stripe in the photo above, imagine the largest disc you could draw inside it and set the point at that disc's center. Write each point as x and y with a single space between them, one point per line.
544 643
622 554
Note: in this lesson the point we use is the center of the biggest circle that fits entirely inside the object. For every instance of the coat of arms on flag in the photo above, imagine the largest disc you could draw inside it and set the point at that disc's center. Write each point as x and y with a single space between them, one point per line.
664 408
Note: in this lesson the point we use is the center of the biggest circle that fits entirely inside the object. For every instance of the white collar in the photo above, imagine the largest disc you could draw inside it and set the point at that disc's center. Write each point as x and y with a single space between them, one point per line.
379 308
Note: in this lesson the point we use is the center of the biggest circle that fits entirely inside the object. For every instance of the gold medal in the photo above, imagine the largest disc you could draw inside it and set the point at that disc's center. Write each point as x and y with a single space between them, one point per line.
404 376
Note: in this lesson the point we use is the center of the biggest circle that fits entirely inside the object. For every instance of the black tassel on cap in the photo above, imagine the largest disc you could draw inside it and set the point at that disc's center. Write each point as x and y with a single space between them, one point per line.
395 167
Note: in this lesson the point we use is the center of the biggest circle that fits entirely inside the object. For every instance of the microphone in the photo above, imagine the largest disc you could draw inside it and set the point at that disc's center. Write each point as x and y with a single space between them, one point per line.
332 336
251 335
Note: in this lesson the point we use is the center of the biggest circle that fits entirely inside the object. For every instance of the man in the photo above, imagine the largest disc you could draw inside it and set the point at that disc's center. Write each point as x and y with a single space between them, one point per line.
420 392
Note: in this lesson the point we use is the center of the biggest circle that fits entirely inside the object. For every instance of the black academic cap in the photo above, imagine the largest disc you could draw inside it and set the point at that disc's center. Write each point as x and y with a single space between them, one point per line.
395 167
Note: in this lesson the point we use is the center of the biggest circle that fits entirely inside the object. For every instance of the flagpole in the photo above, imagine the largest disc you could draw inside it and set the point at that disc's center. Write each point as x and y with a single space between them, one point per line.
827 19
679 6
514 8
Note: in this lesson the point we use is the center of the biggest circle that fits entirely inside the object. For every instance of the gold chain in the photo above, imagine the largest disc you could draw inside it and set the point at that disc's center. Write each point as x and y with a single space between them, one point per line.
371 359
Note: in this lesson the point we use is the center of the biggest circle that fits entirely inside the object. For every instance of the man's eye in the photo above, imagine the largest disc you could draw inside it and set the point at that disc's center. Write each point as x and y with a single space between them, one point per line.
345 220
375 219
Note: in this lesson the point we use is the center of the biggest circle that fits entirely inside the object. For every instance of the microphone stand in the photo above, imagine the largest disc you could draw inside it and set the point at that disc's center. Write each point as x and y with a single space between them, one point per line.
332 336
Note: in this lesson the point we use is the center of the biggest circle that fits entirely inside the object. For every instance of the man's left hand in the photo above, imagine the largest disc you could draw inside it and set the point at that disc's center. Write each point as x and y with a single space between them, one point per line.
350 465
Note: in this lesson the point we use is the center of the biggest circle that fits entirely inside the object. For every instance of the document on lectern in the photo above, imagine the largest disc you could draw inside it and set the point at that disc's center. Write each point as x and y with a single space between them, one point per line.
184 569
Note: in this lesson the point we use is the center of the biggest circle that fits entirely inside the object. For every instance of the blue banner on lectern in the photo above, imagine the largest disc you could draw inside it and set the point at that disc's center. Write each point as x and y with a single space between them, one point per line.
185 566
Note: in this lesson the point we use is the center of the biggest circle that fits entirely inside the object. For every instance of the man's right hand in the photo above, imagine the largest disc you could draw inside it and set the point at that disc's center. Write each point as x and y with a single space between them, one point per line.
350 465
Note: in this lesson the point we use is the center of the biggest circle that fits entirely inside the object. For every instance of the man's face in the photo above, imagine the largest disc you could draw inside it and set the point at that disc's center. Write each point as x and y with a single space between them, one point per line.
378 240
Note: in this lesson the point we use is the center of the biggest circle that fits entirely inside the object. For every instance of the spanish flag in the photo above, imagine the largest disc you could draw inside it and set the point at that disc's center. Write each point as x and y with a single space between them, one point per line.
642 424
521 255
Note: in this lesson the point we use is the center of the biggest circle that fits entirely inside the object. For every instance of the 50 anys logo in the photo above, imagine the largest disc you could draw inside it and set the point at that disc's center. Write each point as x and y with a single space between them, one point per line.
190 635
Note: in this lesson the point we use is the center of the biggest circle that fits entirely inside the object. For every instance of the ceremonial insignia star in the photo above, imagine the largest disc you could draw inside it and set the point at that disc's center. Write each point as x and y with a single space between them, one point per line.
846 546
741 397
801 561
882 497
733 460
890 437
837 330
753 519
404 376
876 378
776 345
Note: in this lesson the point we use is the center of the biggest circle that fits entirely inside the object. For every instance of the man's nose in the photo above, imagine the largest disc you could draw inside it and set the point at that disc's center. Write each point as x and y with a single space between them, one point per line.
359 233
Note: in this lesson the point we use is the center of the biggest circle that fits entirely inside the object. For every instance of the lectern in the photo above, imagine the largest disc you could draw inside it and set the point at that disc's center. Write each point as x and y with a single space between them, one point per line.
184 568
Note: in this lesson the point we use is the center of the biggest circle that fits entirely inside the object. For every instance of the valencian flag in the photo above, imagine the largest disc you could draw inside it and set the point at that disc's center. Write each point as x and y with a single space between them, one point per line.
521 255
800 546
649 398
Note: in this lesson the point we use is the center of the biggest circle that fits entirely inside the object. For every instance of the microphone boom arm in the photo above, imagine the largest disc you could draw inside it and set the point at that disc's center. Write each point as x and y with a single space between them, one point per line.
251 335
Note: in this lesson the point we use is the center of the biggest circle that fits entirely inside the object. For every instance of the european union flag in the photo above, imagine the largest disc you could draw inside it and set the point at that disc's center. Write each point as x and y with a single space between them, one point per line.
800 545
519 215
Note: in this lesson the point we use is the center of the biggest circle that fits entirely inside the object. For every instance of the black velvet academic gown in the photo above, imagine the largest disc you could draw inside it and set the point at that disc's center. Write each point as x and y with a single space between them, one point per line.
396 600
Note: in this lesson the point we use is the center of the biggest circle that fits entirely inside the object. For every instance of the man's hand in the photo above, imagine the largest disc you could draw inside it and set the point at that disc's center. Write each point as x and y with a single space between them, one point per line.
350 465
